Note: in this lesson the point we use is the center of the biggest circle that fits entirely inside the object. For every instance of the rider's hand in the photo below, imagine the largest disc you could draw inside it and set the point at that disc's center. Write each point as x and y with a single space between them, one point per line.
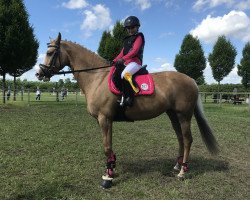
120 61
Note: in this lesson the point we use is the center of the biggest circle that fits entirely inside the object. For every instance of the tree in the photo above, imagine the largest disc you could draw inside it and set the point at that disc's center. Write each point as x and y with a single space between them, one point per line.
191 60
112 43
244 66
19 47
67 83
60 83
101 50
222 58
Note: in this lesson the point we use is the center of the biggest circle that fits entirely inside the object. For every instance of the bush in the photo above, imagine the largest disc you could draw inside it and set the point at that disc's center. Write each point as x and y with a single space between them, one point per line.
223 88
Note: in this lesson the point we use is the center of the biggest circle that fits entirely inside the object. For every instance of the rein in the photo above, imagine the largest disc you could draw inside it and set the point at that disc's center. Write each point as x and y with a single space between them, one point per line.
80 70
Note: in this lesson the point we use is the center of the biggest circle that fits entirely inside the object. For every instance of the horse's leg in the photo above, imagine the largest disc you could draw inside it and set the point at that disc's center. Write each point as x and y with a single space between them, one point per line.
177 128
106 127
185 123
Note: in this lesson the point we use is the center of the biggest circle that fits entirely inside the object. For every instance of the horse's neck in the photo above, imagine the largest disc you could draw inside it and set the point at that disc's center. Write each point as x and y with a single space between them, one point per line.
79 59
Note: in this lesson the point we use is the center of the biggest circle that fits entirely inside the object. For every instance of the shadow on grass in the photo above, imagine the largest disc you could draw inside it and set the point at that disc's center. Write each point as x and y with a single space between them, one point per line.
197 166
154 169
48 191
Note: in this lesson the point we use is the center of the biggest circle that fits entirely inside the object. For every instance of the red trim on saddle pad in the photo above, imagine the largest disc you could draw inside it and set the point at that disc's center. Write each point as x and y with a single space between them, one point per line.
145 83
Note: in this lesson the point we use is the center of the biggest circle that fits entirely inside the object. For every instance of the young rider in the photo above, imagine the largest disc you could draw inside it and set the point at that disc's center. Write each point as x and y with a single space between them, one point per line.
131 56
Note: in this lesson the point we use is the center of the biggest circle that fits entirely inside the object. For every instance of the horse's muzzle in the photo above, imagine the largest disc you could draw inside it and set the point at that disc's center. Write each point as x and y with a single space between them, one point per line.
41 75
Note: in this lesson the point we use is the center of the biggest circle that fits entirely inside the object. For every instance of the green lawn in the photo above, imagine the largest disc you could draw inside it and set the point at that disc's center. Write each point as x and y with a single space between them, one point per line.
53 150
30 97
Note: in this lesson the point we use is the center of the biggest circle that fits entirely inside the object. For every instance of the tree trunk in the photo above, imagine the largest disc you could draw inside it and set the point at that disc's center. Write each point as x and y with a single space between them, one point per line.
14 92
218 94
4 87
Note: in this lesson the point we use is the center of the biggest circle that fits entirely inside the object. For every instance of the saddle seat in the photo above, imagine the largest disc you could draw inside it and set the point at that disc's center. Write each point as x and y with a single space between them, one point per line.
142 79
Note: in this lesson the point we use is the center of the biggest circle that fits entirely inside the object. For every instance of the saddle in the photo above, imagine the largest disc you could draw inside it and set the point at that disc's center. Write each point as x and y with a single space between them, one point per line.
142 79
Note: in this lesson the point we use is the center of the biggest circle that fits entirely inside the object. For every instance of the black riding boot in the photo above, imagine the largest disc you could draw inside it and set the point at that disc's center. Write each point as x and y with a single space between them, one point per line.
128 95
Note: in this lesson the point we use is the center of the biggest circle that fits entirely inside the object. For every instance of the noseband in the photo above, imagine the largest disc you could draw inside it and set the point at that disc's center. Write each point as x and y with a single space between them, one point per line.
50 70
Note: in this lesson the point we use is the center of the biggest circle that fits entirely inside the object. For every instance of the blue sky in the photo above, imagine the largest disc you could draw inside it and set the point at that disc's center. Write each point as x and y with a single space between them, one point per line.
163 22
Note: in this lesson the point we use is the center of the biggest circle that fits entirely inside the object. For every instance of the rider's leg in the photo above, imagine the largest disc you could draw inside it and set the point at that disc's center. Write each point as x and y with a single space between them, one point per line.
126 74
131 68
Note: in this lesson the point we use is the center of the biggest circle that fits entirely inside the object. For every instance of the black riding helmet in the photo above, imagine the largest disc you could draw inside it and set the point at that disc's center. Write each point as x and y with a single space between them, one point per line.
131 21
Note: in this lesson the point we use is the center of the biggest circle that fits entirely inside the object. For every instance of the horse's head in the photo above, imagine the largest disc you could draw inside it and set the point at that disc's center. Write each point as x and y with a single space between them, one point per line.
55 60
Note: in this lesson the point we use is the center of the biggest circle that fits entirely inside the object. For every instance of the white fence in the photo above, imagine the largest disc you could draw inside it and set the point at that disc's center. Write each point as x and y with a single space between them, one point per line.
31 96
225 97
28 96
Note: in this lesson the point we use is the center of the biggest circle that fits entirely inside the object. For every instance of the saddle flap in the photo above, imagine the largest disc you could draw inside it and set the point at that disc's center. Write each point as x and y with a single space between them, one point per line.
144 82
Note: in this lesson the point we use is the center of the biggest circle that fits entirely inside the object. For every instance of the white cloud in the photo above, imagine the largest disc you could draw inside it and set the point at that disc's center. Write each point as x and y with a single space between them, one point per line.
164 65
235 24
200 4
30 75
234 4
172 4
166 35
243 5
143 4
75 4
232 77
96 19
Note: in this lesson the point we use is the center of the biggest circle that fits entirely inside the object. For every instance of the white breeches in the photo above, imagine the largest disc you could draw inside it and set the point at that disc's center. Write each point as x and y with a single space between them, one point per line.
132 68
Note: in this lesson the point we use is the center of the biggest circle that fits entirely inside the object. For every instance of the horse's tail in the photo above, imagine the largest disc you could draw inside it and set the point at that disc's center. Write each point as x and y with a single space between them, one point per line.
205 130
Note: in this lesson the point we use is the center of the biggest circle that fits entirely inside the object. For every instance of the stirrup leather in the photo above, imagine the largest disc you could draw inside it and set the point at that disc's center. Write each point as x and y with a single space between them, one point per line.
128 77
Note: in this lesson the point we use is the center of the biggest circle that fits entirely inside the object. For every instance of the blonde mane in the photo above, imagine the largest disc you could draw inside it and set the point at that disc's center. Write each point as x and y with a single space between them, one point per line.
94 57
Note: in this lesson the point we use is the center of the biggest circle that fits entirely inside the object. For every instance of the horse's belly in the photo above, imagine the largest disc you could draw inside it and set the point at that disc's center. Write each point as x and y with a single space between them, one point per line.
145 113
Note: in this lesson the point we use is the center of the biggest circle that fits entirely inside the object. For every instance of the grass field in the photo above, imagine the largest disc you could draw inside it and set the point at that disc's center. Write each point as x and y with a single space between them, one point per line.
53 150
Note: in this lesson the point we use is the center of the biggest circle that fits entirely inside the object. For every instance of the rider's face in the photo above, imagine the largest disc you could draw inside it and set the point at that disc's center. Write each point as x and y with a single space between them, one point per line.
132 30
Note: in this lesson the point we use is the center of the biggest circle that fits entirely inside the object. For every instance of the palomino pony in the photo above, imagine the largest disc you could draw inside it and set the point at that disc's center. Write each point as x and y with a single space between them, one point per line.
175 94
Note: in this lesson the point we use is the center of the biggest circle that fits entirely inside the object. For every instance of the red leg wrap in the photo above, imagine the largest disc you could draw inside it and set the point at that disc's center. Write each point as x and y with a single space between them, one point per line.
111 165
112 158
185 167
110 173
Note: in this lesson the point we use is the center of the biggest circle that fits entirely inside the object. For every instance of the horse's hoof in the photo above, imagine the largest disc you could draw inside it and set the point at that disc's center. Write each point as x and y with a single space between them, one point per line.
176 169
107 181
106 184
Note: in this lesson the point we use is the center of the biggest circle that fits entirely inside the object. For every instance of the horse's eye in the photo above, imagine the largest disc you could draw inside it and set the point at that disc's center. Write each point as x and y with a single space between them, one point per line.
49 53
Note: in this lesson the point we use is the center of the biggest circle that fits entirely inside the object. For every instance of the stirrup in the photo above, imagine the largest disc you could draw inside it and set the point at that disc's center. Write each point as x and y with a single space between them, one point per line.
124 102
128 77
121 102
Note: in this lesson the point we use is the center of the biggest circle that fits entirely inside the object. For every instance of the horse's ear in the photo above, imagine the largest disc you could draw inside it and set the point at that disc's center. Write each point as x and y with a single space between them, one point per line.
58 39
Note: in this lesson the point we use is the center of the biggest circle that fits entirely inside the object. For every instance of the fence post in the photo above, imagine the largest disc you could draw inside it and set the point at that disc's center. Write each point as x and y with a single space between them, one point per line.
28 97
57 95
249 101
200 96
220 98
22 94
76 99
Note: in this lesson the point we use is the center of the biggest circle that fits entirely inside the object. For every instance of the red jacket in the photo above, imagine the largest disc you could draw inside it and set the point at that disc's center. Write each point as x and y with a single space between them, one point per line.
131 55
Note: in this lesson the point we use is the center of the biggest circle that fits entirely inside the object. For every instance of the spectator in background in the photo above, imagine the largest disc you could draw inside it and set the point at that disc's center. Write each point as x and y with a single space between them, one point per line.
63 93
38 94
8 94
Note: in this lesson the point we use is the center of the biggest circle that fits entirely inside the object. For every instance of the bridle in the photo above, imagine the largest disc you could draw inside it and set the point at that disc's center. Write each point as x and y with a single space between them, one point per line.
50 70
